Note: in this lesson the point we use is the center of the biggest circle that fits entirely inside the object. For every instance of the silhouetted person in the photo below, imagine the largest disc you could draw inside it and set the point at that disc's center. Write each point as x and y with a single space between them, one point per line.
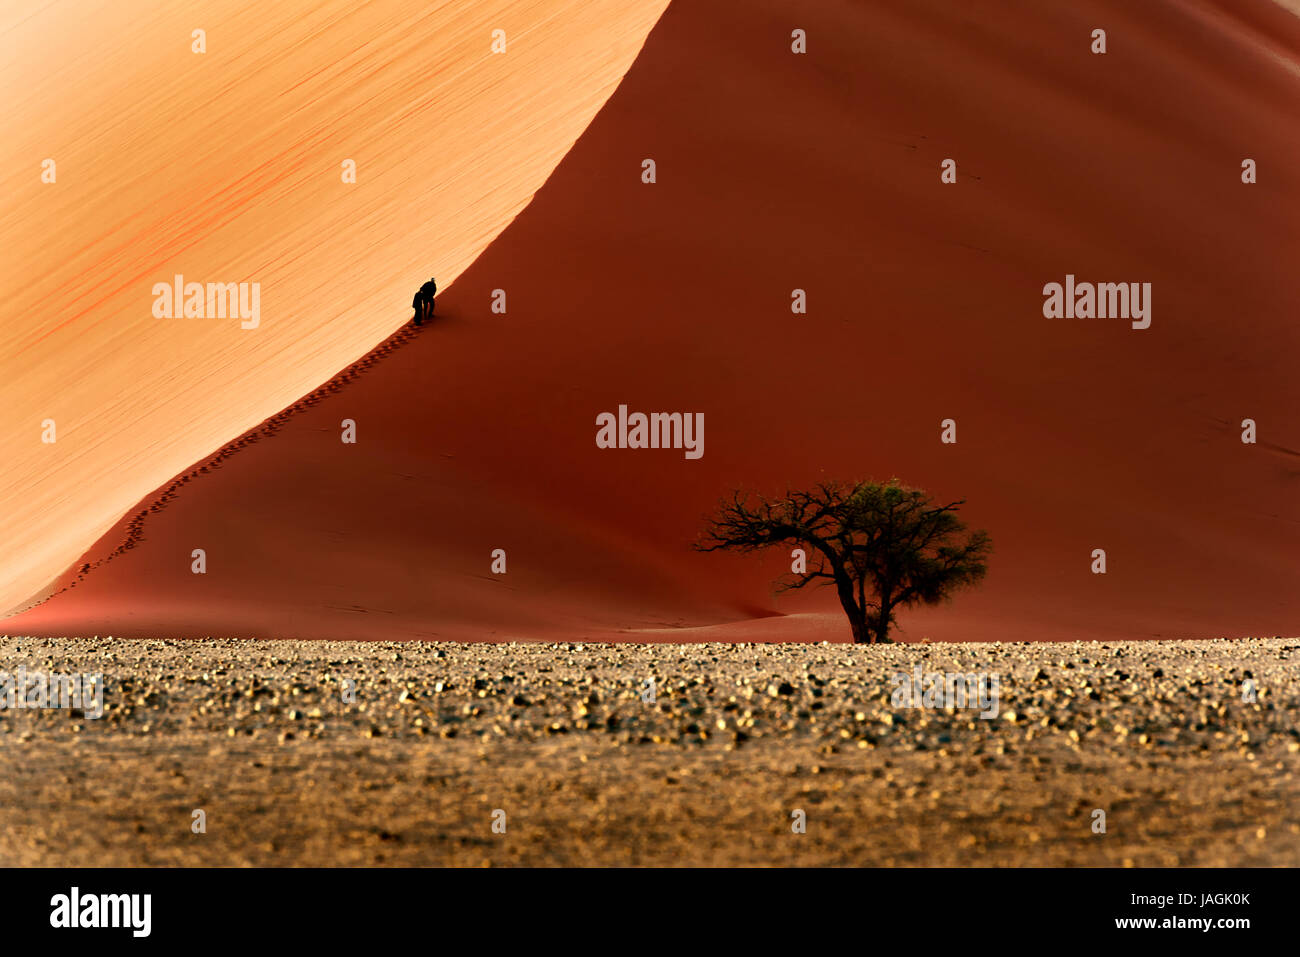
423 301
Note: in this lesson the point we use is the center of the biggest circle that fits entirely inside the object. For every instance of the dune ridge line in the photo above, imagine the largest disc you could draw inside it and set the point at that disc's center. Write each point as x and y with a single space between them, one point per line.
265 429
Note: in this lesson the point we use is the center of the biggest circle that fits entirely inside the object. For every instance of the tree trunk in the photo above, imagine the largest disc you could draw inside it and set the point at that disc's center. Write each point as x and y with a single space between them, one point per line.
882 626
857 616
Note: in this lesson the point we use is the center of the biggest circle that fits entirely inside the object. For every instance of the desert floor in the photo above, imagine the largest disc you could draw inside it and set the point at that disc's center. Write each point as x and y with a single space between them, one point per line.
739 738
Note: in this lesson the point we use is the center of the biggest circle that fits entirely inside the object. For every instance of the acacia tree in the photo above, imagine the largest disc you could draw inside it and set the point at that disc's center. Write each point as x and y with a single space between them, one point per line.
883 546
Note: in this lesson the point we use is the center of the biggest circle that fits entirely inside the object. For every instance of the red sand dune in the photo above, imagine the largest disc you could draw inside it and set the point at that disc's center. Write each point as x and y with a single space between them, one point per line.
227 166
779 171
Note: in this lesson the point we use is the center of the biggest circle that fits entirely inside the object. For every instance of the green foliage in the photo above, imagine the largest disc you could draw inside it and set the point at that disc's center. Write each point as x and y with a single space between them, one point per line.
883 546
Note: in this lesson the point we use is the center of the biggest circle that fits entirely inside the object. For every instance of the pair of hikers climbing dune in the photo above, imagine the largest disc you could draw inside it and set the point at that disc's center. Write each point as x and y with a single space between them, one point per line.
423 302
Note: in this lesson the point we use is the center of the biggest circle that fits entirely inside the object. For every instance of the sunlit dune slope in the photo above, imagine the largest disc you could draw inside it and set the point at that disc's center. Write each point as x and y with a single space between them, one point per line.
227 166
775 172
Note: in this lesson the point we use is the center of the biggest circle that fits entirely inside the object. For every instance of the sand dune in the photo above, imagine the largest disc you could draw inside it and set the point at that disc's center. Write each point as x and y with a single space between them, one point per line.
778 171
226 166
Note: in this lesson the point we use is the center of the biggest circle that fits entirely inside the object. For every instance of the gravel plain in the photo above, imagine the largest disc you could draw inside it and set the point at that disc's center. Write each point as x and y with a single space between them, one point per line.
321 753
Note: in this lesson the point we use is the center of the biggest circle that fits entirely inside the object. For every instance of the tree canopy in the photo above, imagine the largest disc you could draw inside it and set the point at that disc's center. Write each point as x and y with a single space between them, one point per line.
883 546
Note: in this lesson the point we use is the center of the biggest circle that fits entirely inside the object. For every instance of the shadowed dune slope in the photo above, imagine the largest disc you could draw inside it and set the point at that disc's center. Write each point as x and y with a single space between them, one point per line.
227 166
820 172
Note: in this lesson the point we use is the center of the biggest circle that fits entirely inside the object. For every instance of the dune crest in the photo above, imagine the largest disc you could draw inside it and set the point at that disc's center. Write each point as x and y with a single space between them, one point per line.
779 173
228 166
